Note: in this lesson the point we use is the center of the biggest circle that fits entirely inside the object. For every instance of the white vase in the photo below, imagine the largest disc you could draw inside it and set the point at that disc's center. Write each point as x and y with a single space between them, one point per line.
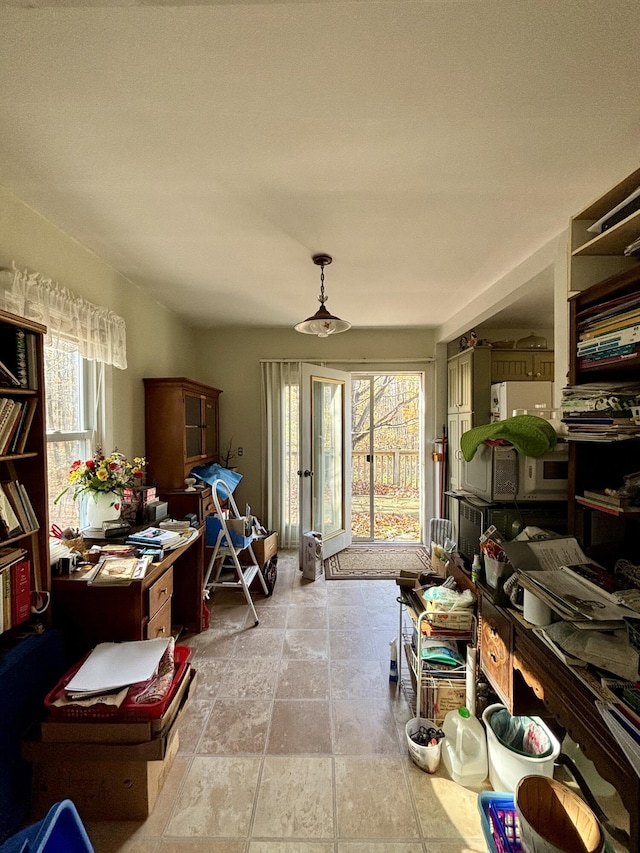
103 506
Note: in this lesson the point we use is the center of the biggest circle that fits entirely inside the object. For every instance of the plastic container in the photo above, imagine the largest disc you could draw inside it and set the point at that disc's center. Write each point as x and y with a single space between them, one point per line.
500 822
60 831
426 757
464 750
553 819
506 766
494 569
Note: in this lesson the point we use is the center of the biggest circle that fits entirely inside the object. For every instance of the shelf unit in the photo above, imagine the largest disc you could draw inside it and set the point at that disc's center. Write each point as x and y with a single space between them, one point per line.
601 274
435 692
29 467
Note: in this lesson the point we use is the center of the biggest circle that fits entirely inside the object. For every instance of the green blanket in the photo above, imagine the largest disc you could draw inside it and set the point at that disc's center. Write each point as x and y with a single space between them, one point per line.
529 434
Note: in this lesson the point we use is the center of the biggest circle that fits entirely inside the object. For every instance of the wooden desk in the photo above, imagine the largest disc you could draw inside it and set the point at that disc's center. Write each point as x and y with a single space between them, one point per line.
169 595
564 696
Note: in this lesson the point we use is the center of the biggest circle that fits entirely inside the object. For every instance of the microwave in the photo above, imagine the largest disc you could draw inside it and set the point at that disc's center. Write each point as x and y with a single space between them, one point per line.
499 473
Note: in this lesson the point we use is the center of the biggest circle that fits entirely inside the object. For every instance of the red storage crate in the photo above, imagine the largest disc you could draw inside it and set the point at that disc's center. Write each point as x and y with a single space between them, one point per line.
129 711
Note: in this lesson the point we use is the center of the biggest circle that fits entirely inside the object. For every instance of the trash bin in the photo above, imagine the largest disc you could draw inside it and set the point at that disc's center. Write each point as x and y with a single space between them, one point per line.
312 566
60 831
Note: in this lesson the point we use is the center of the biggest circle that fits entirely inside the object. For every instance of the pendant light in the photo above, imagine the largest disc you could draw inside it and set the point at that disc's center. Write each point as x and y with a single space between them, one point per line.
322 323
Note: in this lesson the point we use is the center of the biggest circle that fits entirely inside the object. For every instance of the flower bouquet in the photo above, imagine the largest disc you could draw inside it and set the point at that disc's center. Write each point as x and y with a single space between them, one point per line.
113 474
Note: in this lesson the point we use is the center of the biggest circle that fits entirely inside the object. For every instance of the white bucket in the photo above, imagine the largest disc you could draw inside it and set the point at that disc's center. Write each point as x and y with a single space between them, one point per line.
507 767
426 757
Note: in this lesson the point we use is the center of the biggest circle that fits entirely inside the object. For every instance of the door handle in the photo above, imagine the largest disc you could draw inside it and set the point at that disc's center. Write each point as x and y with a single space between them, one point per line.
307 473
369 457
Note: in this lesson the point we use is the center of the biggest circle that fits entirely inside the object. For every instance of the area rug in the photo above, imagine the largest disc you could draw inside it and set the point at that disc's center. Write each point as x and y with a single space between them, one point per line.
375 562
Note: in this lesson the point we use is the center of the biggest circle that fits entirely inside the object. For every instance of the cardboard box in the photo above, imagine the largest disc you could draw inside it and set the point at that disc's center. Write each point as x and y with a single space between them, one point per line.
264 549
105 782
105 732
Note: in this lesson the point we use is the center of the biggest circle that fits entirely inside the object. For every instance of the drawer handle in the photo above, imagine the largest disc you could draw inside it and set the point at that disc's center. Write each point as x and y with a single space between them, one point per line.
494 631
162 630
493 657
164 590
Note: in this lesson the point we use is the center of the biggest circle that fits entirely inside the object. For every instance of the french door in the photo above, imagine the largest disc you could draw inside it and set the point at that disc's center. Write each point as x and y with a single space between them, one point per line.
325 456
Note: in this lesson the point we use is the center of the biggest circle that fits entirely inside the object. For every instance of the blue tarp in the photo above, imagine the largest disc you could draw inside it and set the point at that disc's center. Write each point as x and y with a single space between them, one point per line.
212 472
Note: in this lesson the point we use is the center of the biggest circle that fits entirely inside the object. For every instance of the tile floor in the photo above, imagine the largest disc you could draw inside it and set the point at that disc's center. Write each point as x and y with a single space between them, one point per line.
293 740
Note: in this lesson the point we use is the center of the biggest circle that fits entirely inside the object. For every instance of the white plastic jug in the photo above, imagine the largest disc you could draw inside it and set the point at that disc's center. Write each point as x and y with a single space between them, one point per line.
464 751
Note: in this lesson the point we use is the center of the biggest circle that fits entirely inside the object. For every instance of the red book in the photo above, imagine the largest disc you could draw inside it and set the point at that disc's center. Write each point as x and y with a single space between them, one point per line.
20 591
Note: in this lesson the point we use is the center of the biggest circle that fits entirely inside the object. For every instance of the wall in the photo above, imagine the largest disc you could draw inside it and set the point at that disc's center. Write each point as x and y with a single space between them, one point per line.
229 359
158 343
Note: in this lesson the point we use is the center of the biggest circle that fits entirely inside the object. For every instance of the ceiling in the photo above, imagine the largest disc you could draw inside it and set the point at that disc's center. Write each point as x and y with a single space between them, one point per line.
207 151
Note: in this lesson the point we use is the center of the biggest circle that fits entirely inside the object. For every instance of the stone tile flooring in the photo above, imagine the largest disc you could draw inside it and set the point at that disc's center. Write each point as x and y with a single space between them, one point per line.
293 740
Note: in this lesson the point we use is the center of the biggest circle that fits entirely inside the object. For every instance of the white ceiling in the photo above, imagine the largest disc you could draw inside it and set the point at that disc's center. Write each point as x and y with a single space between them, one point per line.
206 151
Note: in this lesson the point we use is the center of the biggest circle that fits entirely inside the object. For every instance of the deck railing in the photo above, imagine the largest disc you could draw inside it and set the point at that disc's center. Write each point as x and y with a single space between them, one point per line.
390 468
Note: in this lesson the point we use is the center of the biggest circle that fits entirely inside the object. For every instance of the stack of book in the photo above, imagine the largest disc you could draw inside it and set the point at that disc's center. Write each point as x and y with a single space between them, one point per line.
154 537
609 498
18 360
609 332
606 411
16 417
17 515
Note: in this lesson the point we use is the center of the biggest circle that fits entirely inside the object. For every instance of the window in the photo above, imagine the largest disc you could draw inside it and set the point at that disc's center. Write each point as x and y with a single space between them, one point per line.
73 407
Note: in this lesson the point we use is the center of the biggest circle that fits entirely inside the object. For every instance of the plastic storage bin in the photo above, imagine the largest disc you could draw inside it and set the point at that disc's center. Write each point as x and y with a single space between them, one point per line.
507 767
500 822
464 750
60 831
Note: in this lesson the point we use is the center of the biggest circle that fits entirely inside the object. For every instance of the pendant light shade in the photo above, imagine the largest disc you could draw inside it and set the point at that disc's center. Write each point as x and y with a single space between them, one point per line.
322 323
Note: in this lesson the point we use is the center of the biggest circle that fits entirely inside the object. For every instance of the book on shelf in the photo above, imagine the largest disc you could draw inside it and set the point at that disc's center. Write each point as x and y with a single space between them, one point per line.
5 577
20 573
26 419
10 554
6 412
13 354
8 379
605 496
9 431
10 522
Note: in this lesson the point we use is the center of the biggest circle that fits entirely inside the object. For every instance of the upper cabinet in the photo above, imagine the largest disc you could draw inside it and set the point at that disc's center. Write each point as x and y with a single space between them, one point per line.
468 402
522 365
181 429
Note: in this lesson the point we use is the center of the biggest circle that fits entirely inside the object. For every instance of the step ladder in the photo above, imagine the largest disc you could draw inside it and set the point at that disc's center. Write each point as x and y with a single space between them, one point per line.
227 544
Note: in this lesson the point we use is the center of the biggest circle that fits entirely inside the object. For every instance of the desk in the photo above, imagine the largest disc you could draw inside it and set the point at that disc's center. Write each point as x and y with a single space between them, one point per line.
565 697
169 595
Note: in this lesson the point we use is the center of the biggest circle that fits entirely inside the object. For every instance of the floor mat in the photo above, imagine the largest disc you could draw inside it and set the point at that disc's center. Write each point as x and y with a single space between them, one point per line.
366 562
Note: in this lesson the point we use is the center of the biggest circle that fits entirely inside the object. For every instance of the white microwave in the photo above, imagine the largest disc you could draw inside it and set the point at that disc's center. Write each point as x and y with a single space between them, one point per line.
500 473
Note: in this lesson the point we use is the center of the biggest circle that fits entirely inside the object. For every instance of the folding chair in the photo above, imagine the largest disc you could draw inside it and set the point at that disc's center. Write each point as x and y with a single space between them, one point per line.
439 530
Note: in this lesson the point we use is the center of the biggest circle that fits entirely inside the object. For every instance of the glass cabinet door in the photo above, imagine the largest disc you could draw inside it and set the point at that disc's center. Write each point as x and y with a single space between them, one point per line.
193 426
210 423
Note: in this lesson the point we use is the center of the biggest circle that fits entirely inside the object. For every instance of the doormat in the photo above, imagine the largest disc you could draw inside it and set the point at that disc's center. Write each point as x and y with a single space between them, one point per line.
376 562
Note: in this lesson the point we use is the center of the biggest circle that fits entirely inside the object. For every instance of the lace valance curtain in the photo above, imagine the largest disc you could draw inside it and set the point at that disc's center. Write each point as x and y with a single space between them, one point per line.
99 333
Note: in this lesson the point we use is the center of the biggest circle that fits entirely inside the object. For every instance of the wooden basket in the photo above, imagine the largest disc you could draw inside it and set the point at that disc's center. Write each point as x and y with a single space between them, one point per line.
555 820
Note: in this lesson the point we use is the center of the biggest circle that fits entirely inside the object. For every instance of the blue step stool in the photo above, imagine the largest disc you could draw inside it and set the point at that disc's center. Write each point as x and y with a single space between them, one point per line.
60 831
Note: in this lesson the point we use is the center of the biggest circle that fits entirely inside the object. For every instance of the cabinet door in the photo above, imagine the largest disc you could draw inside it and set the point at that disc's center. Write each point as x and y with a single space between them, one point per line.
509 366
543 366
193 426
466 382
453 451
453 385
210 422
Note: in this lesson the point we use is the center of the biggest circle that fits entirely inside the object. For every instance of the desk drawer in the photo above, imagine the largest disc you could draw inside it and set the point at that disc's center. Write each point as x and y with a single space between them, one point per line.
496 650
160 624
160 592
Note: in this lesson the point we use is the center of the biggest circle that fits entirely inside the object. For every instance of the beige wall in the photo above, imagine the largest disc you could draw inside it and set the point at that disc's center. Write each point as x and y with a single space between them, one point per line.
229 359
158 343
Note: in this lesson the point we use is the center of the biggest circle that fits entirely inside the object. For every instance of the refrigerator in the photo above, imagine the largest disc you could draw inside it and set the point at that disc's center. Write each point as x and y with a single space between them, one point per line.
506 397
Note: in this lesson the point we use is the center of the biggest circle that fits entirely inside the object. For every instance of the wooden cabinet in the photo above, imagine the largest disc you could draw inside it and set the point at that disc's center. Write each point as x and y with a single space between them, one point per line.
468 402
181 429
522 365
23 453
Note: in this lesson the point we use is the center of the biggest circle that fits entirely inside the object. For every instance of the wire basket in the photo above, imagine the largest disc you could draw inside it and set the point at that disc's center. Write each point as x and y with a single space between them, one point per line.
129 711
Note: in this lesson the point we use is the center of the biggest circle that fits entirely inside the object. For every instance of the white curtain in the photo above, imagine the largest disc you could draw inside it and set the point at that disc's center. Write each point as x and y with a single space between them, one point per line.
99 333
280 454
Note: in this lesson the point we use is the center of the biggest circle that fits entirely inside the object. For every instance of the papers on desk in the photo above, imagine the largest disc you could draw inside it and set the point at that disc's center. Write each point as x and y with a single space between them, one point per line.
571 598
111 666
624 731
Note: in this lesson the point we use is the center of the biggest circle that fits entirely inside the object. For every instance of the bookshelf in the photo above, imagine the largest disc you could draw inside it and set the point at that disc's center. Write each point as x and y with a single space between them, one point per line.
23 467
